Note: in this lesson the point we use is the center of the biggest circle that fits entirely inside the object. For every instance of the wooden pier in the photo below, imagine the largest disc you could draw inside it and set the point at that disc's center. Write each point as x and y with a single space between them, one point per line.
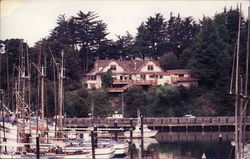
170 122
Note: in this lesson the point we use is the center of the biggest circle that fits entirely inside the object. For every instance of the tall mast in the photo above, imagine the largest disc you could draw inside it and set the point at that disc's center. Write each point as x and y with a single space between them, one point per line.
55 70
42 97
245 96
60 94
237 144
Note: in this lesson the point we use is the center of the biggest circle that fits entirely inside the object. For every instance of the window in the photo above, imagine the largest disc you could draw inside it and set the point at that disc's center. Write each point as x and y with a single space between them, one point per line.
91 77
143 77
160 76
151 76
150 67
181 75
113 67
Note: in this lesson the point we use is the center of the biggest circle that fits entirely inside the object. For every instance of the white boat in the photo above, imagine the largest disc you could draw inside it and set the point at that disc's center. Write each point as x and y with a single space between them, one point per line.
102 151
120 147
12 155
137 132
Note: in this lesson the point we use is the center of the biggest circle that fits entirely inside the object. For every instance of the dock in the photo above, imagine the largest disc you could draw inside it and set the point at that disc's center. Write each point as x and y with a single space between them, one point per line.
163 122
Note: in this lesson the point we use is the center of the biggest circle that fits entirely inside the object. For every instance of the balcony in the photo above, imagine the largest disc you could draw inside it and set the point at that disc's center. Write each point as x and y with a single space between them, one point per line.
130 83
175 80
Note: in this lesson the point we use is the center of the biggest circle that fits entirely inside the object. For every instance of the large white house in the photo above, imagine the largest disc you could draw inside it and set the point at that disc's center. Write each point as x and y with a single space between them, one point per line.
136 72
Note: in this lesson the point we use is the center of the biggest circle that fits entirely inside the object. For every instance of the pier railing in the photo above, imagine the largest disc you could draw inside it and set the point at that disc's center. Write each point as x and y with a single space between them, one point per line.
154 122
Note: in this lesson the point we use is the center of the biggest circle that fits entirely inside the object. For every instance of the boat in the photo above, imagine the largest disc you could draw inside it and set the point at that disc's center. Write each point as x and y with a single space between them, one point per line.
101 151
121 147
137 132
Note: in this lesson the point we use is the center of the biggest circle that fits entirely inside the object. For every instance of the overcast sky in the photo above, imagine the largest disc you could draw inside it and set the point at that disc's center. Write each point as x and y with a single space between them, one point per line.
32 20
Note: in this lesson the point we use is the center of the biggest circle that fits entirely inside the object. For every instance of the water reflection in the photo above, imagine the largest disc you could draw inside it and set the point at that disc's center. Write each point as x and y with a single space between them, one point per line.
184 146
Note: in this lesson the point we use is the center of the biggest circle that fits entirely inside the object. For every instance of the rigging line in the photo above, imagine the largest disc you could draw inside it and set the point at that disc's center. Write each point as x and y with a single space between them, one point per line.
232 74
6 108
53 58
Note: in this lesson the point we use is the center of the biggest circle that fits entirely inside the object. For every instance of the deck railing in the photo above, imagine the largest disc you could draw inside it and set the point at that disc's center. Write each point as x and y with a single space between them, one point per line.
130 83
161 122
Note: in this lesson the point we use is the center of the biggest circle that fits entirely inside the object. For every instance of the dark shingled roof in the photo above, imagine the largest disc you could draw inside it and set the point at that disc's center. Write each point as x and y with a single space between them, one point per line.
129 66
134 66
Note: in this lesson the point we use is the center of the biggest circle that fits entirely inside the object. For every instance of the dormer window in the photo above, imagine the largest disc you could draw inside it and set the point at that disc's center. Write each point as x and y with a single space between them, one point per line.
113 67
150 67
181 75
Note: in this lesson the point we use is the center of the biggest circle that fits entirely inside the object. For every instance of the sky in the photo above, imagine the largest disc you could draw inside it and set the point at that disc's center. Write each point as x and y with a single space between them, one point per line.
33 20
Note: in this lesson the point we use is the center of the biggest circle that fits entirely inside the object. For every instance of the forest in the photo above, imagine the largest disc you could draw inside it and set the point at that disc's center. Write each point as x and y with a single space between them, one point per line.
205 46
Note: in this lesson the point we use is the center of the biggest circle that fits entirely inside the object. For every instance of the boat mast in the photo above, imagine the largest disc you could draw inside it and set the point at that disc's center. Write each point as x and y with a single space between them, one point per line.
55 70
237 144
245 96
60 94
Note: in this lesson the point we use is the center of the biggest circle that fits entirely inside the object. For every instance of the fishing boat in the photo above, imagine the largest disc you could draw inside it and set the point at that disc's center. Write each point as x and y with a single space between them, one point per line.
137 132
101 151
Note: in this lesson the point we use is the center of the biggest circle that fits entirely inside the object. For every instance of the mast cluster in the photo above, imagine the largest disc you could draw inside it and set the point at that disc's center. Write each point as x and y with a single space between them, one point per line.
31 71
240 91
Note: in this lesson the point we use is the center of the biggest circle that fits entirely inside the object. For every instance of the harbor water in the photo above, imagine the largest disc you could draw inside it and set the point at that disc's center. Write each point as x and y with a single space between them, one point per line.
184 145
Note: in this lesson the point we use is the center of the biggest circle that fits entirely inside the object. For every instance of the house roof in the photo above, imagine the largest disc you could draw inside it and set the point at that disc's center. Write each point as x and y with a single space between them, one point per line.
130 66
133 66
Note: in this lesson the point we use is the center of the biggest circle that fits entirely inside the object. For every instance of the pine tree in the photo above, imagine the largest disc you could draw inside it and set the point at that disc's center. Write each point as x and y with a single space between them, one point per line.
210 54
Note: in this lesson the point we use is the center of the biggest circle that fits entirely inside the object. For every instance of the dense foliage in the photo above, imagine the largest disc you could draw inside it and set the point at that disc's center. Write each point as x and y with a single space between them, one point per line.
206 47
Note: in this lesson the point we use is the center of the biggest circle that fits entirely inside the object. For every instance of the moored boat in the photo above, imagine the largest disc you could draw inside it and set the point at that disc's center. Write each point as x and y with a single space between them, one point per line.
137 132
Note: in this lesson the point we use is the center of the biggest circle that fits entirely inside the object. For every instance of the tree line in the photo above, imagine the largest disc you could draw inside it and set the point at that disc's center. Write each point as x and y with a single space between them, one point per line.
205 46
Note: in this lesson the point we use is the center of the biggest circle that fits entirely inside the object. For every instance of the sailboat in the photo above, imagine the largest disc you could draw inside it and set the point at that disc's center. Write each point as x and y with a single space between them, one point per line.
241 97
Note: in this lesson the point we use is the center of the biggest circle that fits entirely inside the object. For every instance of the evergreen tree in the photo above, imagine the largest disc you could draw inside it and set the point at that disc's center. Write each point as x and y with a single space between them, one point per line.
210 54
150 37
169 61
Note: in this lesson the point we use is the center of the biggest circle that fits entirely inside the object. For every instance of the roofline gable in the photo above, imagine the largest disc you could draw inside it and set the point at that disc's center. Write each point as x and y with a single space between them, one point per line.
147 61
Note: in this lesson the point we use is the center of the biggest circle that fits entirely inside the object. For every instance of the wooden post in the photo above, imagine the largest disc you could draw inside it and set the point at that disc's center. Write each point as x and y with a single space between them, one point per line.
116 133
142 126
37 148
95 136
93 144
142 147
131 129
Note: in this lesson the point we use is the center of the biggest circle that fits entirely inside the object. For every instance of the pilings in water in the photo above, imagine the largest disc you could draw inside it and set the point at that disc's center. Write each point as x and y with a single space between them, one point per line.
37 147
116 132
142 136
131 129
142 123
93 142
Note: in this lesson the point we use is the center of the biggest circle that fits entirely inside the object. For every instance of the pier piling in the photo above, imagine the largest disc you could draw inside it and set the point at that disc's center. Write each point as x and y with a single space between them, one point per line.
131 129
37 147
142 126
116 133
93 144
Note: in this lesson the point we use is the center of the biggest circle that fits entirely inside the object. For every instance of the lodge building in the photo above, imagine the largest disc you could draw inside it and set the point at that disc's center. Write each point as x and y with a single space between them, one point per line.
136 72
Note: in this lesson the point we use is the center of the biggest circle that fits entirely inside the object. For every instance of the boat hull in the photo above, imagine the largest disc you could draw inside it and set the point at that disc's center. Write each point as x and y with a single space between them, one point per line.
148 134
